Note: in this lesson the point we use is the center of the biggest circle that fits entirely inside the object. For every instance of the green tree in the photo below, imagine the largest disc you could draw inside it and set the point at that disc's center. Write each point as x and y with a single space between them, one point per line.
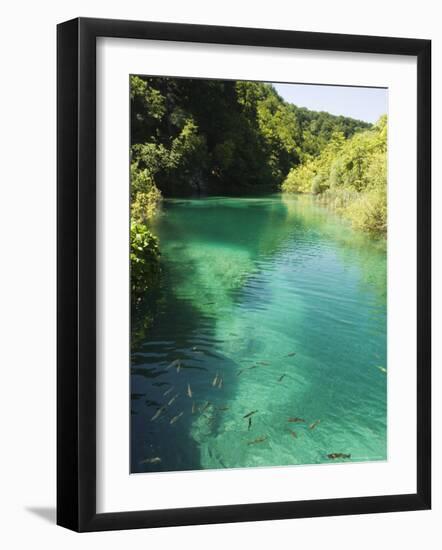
349 175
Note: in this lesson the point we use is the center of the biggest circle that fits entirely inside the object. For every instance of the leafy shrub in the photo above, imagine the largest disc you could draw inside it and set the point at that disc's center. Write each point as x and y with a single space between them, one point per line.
369 211
299 179
350 176
144 261
145 196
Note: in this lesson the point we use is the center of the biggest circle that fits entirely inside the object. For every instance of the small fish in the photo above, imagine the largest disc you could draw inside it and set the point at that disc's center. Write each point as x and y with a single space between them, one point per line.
257 440
249 414
215 380
239 372
209 303
206 406
173 364
154 460
175 418
168 391
193 407
314 424
173 399
253 367
281 378
223 408
157 414
250 423
293 434
334 456
292 354
189 391
295 419
220 383
382 369
264 363
152 403
178 367
194 348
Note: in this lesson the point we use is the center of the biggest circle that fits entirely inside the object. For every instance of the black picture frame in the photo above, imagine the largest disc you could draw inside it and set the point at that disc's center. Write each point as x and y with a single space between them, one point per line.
77 287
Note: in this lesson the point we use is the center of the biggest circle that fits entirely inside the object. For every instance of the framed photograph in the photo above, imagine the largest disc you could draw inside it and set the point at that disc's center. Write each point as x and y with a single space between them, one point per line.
243 274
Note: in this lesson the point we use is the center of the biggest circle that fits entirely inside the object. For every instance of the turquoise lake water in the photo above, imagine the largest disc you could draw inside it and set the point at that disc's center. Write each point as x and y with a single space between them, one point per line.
269 304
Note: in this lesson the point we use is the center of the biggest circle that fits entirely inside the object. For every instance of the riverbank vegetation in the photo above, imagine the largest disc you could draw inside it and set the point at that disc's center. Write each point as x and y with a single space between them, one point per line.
349 175
197 137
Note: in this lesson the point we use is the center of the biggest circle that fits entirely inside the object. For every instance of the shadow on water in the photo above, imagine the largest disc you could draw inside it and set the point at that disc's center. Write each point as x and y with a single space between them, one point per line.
153 385
172 384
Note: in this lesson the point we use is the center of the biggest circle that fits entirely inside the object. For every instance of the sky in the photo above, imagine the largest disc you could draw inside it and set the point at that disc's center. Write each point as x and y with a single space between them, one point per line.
366 104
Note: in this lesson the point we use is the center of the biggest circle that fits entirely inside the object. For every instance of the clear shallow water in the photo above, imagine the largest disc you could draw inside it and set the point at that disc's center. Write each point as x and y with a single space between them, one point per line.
247 283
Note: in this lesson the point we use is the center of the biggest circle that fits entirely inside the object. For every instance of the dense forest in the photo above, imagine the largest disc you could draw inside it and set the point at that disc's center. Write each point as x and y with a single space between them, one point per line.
197 137
206 136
